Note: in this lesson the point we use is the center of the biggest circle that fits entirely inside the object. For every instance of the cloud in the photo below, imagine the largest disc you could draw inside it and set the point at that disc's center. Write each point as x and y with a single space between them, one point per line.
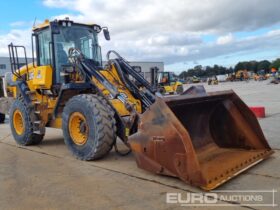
266 42
172 31
218 16
274 33
225 39
17 37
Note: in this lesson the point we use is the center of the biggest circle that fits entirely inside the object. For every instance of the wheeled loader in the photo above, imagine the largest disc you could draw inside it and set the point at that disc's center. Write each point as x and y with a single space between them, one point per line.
2 115
5 101
166 83
202 138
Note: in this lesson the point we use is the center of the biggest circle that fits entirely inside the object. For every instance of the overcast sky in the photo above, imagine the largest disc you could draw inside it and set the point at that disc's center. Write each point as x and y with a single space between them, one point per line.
182 33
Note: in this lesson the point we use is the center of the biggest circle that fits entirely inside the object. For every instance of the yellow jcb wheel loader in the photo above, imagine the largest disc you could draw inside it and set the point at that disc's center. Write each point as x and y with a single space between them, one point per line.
202 138
167 84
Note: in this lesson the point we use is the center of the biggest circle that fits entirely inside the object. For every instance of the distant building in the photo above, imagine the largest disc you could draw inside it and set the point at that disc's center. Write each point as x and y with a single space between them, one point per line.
143 67
5 65
147 66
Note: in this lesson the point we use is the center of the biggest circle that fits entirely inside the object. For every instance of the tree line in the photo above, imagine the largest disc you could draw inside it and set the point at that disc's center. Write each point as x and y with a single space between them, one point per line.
208 71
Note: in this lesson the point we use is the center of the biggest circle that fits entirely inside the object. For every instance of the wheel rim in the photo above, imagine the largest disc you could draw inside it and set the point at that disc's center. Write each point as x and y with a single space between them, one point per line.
78 128
18 122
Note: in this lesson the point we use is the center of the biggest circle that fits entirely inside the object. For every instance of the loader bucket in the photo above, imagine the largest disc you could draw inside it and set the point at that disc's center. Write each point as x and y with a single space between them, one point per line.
203 139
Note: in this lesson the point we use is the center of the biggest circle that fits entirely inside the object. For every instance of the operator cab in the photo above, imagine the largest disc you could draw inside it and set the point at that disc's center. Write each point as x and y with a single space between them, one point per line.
166 78
54 39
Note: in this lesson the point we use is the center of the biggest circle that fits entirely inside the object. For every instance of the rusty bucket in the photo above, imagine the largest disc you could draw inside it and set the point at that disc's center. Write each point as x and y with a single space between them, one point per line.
203 139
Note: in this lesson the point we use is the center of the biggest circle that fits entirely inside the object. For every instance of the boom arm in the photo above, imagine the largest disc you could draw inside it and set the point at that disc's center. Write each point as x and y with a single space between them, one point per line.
145 94
142 90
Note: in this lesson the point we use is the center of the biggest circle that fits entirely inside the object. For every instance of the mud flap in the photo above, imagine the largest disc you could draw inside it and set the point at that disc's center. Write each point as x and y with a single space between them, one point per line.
203 139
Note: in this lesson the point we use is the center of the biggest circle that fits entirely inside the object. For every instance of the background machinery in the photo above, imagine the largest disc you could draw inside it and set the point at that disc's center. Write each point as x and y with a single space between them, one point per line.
213 80
261 75
166 83
195 79
202 138
2 115
6 96
242 75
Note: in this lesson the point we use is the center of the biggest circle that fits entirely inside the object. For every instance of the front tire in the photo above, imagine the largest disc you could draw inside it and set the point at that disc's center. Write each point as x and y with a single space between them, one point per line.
22 126
88 126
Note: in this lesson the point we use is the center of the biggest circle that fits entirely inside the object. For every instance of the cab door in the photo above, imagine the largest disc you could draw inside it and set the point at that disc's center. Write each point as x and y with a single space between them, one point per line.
42 73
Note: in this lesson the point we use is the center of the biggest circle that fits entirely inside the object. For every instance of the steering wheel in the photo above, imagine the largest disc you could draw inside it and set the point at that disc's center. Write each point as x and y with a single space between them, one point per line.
75 55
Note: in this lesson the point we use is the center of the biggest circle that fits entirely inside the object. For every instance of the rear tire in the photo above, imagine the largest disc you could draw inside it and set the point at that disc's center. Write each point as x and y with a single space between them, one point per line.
22 126
2 118
89 127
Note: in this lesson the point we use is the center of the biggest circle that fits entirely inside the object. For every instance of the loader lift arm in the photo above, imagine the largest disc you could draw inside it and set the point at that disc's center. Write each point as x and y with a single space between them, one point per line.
147 96
89 70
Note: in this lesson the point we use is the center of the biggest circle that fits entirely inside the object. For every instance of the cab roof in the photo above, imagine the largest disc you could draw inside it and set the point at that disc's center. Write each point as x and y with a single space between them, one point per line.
46 24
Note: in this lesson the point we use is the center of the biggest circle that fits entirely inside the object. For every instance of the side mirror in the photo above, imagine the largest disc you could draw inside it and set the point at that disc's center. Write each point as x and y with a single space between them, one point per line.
106 34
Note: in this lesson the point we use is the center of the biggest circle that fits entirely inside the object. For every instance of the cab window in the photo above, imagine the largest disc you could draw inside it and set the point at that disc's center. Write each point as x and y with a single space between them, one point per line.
44 39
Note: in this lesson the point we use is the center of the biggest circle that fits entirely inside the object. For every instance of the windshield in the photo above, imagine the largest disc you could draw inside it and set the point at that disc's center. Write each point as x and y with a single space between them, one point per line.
80 37
172 77
166 77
